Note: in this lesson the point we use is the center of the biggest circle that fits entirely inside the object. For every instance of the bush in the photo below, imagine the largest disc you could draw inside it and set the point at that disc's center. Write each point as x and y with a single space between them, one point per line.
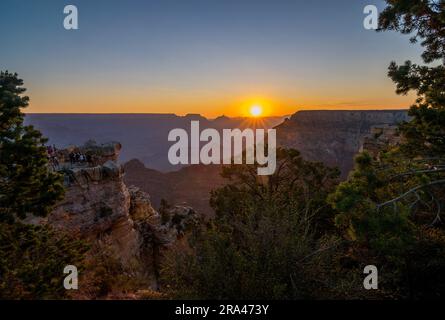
32 260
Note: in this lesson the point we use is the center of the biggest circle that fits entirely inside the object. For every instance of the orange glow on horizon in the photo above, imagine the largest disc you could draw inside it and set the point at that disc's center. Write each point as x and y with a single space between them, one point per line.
209 106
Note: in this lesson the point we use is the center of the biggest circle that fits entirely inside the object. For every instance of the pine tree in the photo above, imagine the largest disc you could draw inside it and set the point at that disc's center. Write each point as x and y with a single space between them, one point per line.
391 208
26 185
32 258
424 21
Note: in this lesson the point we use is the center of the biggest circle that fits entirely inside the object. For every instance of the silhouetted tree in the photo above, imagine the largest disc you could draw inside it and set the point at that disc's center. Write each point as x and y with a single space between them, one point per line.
32 258
26 185
425 21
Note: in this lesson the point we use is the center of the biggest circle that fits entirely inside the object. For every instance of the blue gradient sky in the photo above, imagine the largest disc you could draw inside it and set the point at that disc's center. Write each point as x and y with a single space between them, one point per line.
201 56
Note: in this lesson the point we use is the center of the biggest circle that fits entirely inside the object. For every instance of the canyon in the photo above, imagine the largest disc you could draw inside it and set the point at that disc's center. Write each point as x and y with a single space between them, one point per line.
331 137
143 136
141 212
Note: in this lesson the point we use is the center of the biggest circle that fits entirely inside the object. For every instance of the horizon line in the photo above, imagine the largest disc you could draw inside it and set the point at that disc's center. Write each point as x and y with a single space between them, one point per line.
222 115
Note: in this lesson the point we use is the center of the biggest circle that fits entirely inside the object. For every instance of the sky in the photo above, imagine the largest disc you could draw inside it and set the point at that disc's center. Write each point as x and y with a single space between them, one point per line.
211 57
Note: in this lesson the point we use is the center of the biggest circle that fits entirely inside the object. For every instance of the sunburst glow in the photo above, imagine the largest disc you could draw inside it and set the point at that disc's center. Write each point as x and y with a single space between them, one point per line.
256 111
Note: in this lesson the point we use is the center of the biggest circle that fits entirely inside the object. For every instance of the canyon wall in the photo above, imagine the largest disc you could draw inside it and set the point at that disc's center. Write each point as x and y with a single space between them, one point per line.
333 137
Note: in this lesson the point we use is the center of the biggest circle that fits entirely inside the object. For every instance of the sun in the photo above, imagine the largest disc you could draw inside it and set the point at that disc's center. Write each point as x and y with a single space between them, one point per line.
256 111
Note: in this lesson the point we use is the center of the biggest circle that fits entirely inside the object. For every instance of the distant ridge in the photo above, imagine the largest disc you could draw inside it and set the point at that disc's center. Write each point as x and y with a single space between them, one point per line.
143 136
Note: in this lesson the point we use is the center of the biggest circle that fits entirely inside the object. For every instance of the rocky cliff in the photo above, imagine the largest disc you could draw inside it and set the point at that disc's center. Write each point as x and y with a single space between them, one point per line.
99 207
96 206
333 137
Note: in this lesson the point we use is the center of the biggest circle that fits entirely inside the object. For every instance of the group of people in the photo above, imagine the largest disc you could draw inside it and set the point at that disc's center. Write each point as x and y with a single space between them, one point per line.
78 157
58 158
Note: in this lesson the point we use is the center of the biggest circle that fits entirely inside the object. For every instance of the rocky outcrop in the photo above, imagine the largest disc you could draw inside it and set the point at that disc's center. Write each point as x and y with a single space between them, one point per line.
158 232
98 206
163 228
141 210
333 137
